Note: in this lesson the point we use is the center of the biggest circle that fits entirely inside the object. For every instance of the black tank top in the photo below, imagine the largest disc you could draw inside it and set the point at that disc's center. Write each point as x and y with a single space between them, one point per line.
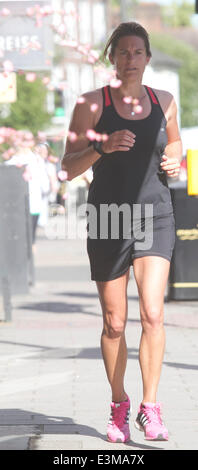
133 176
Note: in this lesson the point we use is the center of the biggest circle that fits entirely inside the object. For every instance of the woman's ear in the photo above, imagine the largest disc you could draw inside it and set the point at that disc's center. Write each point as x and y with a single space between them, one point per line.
111 58
148 60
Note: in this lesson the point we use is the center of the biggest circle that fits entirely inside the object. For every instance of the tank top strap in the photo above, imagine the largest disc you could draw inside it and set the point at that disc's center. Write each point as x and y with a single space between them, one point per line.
153 98
106 97
152 95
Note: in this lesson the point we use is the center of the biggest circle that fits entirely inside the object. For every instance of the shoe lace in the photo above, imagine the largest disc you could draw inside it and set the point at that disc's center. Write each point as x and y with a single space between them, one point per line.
119 414
158 408
153 414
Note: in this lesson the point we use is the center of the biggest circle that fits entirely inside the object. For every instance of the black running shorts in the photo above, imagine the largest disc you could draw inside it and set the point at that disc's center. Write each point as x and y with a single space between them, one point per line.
110 258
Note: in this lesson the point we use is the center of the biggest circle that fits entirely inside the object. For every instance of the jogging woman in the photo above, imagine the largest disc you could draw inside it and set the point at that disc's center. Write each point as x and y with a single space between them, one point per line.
130 167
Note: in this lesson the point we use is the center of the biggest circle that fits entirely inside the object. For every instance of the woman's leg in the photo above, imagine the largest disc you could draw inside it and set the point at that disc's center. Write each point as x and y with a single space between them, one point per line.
151 275
113 299
34 218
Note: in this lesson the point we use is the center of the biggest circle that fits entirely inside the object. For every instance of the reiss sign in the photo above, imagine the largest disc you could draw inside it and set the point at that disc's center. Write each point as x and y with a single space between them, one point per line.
26 40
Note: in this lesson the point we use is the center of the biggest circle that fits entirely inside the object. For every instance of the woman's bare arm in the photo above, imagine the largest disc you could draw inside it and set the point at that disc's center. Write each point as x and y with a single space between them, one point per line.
173 151
79 156
174 146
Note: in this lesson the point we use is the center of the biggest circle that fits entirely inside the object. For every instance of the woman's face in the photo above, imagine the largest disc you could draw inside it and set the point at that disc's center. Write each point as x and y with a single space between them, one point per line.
42 150
130 58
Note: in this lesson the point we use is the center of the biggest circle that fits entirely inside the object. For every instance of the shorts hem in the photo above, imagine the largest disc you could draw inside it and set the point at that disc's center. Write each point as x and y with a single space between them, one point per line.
95 277
151 254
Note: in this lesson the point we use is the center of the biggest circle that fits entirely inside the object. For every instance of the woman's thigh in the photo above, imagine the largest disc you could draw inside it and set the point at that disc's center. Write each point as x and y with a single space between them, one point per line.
151 275
113 298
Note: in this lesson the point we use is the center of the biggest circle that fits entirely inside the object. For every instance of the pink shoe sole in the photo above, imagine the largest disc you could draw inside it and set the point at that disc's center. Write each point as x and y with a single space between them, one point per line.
118 440
160 436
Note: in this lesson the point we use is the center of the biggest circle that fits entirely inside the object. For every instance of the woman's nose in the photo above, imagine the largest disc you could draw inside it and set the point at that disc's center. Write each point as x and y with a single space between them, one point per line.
130 56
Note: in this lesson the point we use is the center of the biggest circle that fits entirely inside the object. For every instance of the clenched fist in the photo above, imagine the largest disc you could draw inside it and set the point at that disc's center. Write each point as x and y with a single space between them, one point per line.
171 166
119 141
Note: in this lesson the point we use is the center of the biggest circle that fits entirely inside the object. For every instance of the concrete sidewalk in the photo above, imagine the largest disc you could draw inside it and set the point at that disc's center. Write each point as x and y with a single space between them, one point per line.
54 392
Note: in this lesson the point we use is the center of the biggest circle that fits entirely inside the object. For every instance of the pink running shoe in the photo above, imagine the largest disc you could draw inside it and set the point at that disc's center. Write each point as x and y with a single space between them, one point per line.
149 420
118 425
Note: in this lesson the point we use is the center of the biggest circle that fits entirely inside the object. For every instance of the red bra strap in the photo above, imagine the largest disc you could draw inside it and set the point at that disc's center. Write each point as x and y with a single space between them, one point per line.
107 97
154 99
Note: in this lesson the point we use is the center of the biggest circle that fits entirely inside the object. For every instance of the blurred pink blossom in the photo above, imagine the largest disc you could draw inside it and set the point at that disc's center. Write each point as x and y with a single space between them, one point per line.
50 87
72 136
8 66
127 99
7 132
39 22
5 155
5 12
91 60
94 107
46 80
82 49
137 109
28 144
27 176
19 134
81 99
29 11
30 77
95 54
91 134
53 159
28 135
11 151
105 137
62 85
62 175
34 45
41 135
19 165
69 43
87 46
98 137
115 83
24 51
48 10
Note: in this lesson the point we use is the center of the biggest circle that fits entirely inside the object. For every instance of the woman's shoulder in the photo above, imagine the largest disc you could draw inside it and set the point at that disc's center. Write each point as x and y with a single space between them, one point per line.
93 96
94 102
166 100
163 95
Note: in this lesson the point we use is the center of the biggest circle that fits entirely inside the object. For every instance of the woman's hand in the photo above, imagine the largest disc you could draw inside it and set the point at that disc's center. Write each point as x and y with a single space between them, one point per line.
119 141
171 166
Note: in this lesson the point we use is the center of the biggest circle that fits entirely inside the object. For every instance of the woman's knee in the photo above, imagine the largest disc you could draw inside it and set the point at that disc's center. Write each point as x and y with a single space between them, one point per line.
152 317
114 324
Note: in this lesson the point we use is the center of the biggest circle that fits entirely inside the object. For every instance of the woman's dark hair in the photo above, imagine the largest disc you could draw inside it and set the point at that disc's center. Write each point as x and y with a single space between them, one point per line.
127 29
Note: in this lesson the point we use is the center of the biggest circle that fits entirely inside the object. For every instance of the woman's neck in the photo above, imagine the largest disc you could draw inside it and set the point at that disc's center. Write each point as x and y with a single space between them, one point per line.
136 90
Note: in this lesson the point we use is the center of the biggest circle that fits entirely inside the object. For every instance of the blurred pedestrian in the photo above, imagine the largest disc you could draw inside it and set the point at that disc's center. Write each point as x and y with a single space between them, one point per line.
33 174
49 183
